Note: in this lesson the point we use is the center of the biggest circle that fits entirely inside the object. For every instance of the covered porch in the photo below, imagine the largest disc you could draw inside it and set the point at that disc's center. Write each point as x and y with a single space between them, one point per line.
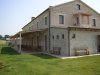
28 42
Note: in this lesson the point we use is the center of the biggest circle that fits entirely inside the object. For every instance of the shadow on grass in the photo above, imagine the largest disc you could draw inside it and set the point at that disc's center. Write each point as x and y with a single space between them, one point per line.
8 50
44 56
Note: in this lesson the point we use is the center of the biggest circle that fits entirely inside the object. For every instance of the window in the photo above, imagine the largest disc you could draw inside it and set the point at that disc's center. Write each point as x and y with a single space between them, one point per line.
62 36
61 19
94 22
78 7
57 36
45 20
73 36
53 36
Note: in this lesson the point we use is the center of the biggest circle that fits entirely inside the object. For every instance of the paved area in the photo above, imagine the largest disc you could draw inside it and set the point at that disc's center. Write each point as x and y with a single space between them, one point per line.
71 57
78 56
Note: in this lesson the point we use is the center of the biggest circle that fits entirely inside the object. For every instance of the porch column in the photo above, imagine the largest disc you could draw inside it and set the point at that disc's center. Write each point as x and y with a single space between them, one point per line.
20 42
80 19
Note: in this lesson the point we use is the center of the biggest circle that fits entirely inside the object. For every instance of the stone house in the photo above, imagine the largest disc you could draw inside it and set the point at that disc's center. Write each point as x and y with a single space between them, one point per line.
68 29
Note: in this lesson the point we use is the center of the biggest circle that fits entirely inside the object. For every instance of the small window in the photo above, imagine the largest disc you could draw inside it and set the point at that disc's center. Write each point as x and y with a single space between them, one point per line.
62 36
53 36
73 36
94 22
45 20
78 7
61 19
57 36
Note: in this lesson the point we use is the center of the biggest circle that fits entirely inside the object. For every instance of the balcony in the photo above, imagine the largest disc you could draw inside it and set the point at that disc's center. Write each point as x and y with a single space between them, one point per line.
82 25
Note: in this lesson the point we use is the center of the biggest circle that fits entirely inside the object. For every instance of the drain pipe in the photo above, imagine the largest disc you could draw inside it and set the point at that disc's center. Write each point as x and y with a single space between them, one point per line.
49 30
68 41
20 38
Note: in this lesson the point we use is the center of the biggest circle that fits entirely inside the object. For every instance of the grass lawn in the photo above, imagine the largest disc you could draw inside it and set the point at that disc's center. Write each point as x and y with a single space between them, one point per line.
40 64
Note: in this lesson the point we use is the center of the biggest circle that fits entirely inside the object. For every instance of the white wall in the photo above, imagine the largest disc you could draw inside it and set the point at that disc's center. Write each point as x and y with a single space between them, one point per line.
83 39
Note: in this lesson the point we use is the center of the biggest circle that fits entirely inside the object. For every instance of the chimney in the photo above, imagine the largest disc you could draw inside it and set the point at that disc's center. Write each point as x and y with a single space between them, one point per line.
77 0
32 18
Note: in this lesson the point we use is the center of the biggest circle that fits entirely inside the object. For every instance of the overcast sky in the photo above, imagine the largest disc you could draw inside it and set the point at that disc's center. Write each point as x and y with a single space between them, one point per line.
14 14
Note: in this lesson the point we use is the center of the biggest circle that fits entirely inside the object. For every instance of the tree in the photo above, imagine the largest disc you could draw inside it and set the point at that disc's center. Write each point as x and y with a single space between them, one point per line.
1 37
6 36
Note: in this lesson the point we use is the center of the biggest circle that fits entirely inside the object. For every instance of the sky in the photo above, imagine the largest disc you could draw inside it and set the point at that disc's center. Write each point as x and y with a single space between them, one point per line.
14 14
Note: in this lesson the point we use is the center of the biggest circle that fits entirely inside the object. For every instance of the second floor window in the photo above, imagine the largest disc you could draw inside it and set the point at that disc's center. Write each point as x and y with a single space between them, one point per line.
78 7
61 19
45 20
94 22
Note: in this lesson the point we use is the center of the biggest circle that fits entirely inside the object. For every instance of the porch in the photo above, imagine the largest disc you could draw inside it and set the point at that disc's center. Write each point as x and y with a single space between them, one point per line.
29 42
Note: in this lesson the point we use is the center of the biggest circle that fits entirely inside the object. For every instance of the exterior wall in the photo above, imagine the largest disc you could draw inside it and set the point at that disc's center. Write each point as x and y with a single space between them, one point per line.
62 43
84 39
32 26
66 10
42 41
69 10
88 10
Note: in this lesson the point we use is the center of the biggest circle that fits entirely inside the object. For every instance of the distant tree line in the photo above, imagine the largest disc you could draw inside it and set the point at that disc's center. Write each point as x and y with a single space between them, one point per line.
4 37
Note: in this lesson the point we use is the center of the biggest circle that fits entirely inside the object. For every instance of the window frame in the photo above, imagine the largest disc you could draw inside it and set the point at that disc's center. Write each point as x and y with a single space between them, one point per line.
46 20
94 22
61 19
78 6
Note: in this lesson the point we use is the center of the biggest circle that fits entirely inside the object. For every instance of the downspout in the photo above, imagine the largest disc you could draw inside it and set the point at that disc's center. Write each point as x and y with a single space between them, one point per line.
68 41
49 30
20 38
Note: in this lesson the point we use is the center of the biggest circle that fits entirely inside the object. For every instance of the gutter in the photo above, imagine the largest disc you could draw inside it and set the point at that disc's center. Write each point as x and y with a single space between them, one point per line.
68 41
49 30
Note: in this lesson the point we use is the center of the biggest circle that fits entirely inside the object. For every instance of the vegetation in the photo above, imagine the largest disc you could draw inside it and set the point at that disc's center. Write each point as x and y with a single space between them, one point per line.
0 36
41 64
4 38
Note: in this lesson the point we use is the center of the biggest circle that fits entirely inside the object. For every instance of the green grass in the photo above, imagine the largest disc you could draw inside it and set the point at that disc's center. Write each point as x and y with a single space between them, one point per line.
41 64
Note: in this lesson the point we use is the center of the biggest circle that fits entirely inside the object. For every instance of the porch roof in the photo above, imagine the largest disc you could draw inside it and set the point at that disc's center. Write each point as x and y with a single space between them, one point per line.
23 33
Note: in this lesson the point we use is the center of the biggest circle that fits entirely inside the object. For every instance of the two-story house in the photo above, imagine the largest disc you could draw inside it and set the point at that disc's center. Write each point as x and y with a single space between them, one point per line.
67 29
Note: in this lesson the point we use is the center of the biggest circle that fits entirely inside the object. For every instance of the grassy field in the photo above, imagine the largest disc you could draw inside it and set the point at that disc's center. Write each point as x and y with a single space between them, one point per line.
2 42
40 64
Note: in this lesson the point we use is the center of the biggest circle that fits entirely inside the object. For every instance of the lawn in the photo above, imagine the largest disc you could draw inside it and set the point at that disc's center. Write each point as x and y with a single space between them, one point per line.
41 64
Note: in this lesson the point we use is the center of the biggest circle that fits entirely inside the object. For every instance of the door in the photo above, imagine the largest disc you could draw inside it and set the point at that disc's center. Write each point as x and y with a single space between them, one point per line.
45 42
98 43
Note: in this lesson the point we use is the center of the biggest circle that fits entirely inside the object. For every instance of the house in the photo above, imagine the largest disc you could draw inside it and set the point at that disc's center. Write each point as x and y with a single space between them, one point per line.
67 29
